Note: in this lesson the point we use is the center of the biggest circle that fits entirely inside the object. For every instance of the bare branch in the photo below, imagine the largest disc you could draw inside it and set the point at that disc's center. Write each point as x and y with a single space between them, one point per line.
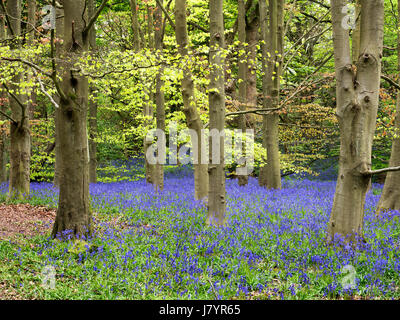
9 118
93 18
372 172
45 92
392 82
166 14
7 18
18 102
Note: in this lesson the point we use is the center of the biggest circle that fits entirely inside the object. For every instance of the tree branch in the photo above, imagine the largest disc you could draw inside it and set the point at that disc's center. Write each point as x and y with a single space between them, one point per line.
166 14
28 63
45 92
197 26
18 102
93 18
390 81
7 18
372 172
9 118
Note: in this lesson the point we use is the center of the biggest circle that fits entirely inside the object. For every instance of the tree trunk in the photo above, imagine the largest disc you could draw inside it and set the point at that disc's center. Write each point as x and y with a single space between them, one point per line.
58 46
158 35
242 179
20 140
135 25
92 107
252 40
148 112
73 211
193 120
216 194
3 136
357 96
390 198
270 175
356 33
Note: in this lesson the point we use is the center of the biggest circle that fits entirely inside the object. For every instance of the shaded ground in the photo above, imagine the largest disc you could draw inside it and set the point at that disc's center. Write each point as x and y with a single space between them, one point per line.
25 220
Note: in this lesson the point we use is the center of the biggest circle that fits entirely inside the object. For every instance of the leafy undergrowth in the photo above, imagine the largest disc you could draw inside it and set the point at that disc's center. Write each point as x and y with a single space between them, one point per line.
156 246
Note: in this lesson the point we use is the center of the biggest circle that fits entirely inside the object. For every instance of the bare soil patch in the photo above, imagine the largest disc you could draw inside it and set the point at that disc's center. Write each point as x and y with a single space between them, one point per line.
25 220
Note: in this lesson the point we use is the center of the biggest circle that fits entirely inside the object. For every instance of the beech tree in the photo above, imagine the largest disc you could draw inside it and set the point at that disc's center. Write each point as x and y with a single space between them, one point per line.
73 211
216 168
357 96
242 76
272 52
20 140
92 105
160 105
3 136
193 120
390 197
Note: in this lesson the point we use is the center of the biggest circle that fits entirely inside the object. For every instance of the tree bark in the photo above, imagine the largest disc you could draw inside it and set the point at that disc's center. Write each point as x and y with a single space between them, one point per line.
193 120
148 112
92 107
216 194
73 211
20 139
3 136
390 197
135 26
357 96
270 175
59 35
31 20
356 33
160 106
242 75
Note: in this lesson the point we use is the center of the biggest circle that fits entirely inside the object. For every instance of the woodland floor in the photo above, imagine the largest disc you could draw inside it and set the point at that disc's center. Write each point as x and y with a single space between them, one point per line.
22 220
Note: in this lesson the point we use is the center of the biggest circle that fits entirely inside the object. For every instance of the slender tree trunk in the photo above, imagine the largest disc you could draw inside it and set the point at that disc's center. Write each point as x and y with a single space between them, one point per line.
193 120
151 169
20 140
252 39
135 25
58 46
242 179
30 40
3 136
150 26
92 107
390 198
73 211
158 35
216 194
270 175
357 96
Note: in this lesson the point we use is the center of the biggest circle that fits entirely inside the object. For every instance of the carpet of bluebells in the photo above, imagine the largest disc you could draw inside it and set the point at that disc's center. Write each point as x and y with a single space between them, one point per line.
157 246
